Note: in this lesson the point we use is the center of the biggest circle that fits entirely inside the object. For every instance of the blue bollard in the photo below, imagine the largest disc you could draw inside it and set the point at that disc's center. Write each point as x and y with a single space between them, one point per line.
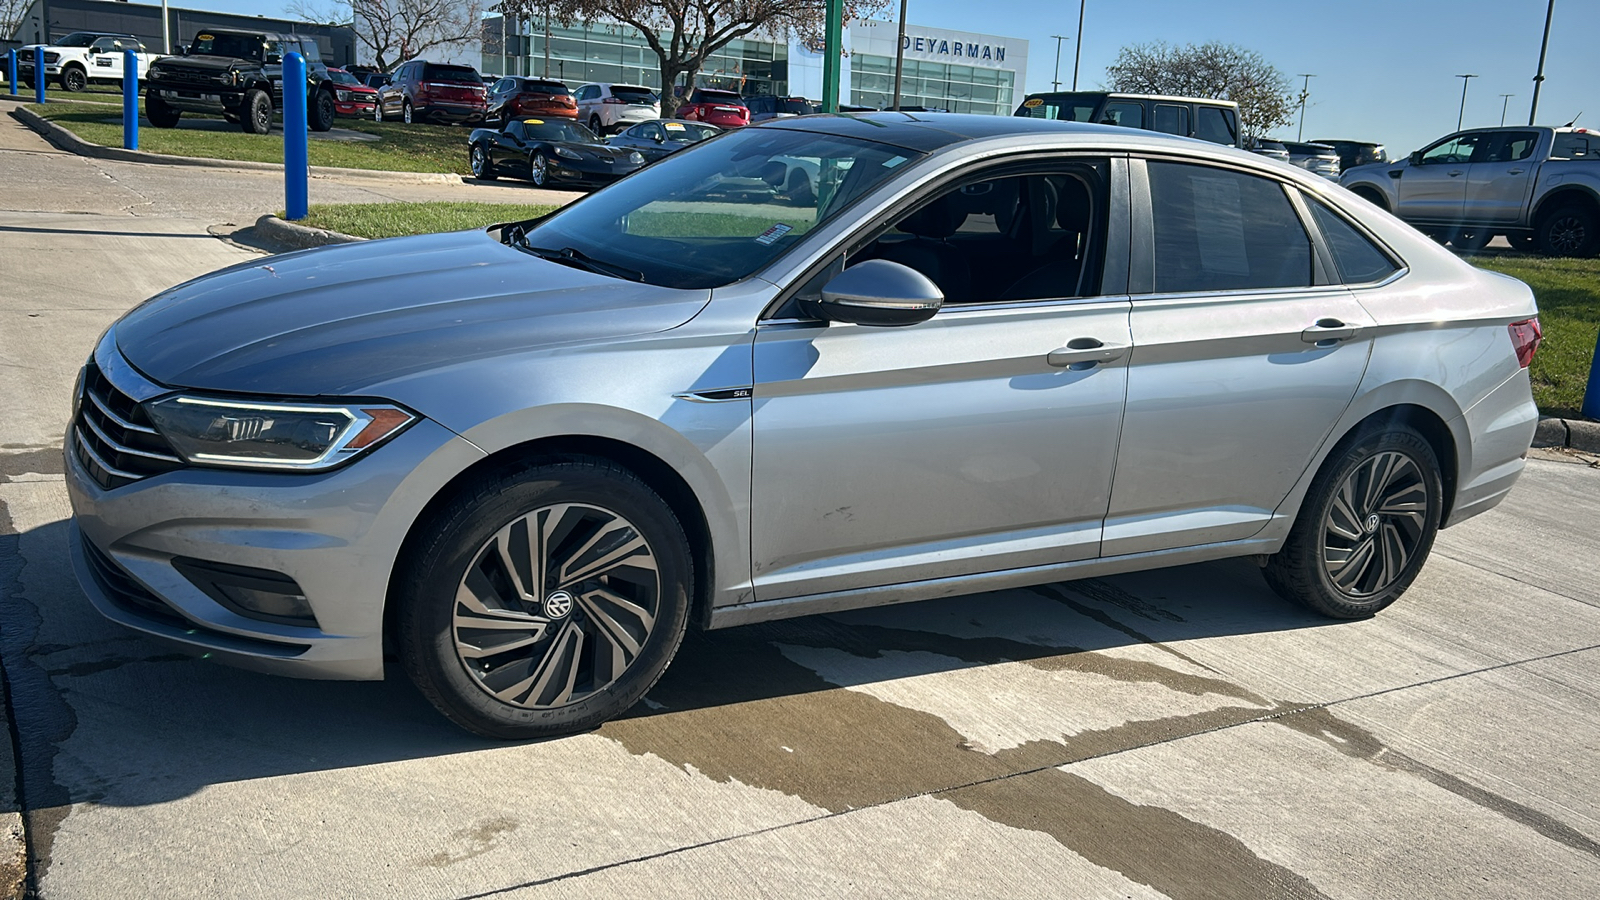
11 72
296 149
130 100
38 74
1591 394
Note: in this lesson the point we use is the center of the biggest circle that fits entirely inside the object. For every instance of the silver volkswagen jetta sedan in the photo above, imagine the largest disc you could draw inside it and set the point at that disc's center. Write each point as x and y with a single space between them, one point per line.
959 354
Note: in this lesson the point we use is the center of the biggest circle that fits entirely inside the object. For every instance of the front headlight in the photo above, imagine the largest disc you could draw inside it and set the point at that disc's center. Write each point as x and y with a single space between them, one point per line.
568 152
155 72
301 436
344 96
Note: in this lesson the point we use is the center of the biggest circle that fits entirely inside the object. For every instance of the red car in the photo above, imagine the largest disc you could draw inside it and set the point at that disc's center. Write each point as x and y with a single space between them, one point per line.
350 97
514 96
724 109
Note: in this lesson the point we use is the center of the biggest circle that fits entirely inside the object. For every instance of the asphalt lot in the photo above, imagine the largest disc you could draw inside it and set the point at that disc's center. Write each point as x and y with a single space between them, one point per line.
1179 733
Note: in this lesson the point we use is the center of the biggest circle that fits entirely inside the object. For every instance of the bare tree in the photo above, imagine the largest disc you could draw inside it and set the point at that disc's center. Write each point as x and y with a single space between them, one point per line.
393 31
11 13
1212 70
684 33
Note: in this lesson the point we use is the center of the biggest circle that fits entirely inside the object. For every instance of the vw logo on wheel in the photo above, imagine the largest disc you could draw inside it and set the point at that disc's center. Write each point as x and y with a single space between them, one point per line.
1372 523
557 604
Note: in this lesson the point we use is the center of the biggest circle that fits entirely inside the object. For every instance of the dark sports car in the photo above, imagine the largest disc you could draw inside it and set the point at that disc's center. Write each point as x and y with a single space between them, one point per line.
548 152
656 139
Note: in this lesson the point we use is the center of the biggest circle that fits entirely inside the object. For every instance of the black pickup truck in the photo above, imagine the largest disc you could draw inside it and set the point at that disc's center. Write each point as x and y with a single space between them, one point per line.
239 75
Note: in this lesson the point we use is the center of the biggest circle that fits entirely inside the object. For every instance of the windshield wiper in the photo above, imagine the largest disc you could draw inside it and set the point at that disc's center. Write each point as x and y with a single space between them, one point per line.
572 256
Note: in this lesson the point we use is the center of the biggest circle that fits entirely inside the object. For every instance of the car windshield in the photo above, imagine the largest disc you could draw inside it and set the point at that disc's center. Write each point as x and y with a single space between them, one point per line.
541 130
689 132
453 74
342 77
243 46
545 87
633 95
709 217
1062 107
78 39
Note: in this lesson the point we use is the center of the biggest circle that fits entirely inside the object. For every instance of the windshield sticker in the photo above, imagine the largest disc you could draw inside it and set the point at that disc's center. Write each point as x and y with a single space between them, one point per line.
533 121
1033 103
674 126
893 161
772 234
205 37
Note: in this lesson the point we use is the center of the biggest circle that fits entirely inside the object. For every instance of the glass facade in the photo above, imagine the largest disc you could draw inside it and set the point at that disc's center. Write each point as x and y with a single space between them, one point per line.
936 85
616 53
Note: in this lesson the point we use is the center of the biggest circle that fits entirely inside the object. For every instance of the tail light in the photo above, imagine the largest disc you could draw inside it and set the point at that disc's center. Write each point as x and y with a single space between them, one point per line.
1525 338
617 100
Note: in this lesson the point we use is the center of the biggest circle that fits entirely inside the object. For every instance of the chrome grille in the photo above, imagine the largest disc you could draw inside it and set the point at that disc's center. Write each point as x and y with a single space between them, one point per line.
172 75
112 437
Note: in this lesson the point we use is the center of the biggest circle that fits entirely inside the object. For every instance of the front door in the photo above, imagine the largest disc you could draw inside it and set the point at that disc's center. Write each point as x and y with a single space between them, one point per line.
1245 355
1434 188
983 439
1499 181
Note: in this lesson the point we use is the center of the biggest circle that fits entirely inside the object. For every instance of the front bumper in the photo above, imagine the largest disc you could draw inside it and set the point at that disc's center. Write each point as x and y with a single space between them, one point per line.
336 534
586 172
195 98
354 108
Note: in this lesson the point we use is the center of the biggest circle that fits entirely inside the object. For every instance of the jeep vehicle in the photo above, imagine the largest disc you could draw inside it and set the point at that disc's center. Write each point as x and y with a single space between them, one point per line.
83 57
239 76
1216 121
1538 186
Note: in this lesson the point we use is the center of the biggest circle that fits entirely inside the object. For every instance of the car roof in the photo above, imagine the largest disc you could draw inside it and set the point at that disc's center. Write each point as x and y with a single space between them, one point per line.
1130 95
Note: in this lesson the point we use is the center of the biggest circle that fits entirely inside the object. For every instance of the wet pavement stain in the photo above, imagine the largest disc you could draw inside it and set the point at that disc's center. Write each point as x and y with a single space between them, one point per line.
474 841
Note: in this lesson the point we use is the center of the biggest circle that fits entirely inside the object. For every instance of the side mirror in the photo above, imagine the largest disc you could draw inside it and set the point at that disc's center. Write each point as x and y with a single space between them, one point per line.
879 292
660 139
183 51
1416 157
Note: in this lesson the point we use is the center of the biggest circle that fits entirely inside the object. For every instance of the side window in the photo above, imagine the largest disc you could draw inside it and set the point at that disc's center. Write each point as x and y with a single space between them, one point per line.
1006 239
1129 114
1454 150
1172 119
516 130
1211 124
649 132
1514 146
1358 260
1572 145
1219 230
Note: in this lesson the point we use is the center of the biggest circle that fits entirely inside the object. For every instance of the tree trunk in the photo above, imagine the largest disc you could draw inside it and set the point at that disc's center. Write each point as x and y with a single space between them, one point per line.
669 101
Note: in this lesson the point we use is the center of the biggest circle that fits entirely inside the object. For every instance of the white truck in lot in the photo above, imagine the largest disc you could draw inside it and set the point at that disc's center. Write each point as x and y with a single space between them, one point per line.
1538 186
83 57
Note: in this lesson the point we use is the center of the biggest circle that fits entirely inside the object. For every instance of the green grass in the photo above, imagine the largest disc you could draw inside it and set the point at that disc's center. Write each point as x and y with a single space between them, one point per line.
94 93
381 220
400 148
1568 291
678 224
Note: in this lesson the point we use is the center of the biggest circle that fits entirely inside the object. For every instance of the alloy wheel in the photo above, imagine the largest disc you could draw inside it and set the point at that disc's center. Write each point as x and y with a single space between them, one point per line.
263 117
540 167
477 162
1375 524
556 606
1567 234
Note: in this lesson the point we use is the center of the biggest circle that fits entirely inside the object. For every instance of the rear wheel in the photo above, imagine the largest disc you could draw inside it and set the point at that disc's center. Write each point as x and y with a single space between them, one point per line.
1470 239
545 600
377 111
321 112
255 114
1365 528
158 112
1527 243
596 127
1569 231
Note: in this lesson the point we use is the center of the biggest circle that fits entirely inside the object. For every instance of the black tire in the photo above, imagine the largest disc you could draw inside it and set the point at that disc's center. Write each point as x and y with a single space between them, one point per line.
321 113
230 118
158 112
596 127
1372 196
482 168
406 113
73 79
1527 243
560 673
256 112
377 110
1353 552
1569 231
1470 240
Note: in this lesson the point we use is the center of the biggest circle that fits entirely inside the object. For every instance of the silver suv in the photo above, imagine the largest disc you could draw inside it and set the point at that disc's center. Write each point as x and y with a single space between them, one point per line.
967 354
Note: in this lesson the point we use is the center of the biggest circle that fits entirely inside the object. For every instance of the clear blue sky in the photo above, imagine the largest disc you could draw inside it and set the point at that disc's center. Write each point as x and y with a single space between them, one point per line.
1384 67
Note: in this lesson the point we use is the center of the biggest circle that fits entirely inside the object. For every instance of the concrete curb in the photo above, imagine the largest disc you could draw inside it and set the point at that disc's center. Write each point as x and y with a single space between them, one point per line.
1573 434
66 140
300 237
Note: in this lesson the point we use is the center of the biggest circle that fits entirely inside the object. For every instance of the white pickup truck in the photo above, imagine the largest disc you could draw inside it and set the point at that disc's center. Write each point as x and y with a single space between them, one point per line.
1538 186
82 57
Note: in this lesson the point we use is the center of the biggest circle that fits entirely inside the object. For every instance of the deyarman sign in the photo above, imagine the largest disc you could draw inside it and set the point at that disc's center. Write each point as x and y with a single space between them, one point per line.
933 47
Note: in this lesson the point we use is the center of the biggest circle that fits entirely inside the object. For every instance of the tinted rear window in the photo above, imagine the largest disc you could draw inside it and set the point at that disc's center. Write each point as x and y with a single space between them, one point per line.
457 74
1358 260
728 98
546 87
633 95
1218 230
1215 125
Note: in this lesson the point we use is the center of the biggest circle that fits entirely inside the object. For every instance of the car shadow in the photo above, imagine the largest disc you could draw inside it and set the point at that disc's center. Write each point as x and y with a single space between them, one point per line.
108 716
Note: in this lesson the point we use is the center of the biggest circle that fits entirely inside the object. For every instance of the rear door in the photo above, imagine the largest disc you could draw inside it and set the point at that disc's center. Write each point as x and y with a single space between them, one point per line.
1501 178
1171 118
1246 352
1434 189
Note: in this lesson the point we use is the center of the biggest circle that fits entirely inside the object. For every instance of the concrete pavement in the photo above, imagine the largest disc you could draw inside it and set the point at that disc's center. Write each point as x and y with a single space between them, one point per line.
1179 733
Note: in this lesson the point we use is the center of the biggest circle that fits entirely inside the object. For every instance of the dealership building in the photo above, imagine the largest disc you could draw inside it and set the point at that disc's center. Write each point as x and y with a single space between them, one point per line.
957 71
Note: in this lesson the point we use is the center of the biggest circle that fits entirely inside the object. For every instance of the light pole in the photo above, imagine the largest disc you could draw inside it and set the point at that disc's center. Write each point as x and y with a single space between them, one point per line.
1463 114
1056 84
1305 94
1504 100
1079 52
900 55
1538 80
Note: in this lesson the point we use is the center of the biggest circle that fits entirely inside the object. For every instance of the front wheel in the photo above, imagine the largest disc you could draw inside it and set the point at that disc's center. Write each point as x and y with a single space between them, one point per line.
481 167
545 599
73 79
1470 240
320 113
158 112
1365 527
1569 231
256 113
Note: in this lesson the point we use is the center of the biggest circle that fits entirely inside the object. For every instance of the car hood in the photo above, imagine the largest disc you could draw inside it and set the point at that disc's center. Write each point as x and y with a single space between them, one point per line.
346 319
207 63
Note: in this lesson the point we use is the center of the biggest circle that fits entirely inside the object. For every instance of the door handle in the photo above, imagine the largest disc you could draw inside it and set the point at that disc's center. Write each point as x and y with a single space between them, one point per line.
1086 352
1513 171
1454 172
1328 332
